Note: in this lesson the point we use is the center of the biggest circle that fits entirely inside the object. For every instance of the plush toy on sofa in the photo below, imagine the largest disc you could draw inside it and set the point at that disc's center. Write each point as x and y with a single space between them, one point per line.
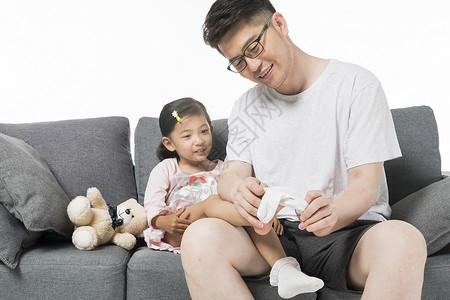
98 223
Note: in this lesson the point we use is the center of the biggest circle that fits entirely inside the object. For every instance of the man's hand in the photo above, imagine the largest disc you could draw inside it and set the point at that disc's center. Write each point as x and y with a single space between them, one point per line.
320 215
324 215
237 185
247 199
173 224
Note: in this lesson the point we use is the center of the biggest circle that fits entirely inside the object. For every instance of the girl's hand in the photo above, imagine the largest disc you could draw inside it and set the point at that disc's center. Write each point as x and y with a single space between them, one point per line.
173 224
277 226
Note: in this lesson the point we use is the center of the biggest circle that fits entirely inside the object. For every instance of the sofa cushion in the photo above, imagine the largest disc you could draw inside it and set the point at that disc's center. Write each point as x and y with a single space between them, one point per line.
58 270
29 190
84 153
429 211
147 138
420 164
13 237
154 274
437 272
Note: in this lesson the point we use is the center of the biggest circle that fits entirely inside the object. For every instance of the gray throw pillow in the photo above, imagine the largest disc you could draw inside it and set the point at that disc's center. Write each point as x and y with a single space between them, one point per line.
428 210
28 189
13 237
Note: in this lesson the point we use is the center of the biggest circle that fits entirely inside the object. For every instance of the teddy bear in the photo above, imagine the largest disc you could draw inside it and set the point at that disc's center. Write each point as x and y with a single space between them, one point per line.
97 223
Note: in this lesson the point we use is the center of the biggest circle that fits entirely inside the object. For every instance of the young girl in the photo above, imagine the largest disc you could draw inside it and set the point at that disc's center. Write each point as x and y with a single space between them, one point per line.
182 188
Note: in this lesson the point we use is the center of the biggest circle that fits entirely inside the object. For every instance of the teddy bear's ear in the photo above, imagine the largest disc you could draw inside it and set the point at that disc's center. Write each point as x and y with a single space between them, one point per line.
129 203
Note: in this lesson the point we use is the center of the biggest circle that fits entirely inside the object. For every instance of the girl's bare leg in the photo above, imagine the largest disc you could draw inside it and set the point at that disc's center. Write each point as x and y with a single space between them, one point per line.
214 207
268 245
172 239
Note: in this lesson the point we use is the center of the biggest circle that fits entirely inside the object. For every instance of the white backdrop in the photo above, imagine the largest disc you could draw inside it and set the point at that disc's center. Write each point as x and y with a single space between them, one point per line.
89 58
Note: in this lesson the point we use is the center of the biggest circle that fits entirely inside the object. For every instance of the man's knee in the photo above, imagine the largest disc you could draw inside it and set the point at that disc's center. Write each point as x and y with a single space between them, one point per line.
406 237
390 246
200 236
198 244
399 241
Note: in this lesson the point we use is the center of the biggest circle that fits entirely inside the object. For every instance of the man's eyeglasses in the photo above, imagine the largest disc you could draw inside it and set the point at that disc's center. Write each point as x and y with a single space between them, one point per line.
253 50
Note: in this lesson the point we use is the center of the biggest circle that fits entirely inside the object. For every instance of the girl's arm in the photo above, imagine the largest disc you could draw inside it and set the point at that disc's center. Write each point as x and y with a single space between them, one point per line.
159 219
156 191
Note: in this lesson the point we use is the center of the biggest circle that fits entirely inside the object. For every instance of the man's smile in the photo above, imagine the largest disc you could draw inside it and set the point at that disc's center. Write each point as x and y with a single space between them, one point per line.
266 73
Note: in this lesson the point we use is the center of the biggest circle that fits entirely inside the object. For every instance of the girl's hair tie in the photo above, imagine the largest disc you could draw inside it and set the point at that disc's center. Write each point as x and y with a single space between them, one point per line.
176 116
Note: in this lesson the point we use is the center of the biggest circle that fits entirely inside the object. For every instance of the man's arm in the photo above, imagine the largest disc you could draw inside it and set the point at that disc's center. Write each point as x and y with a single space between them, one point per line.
324 215
237 185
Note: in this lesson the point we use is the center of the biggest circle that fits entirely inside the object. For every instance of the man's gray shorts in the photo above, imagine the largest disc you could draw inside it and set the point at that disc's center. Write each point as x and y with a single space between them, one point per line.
325 257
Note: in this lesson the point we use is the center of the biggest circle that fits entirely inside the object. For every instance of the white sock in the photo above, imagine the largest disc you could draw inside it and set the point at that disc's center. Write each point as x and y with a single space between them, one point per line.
291 281
279 195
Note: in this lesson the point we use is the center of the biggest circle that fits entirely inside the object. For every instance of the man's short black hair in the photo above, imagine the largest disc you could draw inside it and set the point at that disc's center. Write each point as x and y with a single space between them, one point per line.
224 14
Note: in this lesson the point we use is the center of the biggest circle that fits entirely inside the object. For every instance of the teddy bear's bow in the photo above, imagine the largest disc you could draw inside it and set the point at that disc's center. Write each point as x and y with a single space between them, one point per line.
115 221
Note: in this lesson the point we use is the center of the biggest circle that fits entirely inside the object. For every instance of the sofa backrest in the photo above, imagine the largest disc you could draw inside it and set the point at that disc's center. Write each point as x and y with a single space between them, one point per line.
420 164
84 153
417 134
147 138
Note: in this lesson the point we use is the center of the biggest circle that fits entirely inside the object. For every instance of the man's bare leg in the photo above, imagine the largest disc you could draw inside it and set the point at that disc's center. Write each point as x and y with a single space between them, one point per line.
389 262
285 273
211 247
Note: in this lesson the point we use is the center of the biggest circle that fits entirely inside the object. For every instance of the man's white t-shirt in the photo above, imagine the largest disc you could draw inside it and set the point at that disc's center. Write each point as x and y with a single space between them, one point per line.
310 140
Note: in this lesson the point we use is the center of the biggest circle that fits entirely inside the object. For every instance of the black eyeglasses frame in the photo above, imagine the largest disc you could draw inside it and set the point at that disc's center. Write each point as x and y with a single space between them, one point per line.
258 41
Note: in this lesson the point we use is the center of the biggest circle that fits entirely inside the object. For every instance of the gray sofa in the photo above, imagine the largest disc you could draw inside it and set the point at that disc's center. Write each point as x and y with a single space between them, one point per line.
96 152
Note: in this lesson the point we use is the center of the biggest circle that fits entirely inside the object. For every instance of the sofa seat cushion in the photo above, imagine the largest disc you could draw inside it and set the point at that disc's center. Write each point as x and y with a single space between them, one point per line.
437 272
58 270
84 153
13 237
154 274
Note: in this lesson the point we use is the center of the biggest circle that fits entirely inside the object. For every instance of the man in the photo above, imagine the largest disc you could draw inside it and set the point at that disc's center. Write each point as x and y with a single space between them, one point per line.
322 128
